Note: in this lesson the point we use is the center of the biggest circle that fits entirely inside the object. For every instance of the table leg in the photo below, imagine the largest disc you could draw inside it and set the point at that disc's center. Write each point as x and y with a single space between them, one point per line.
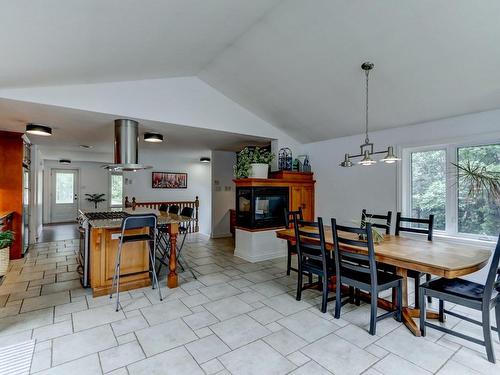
408 312
172 280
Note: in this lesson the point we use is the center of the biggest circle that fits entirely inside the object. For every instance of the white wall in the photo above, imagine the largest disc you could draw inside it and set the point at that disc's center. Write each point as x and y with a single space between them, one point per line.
199 177
93 179
223 192
182 100
343 192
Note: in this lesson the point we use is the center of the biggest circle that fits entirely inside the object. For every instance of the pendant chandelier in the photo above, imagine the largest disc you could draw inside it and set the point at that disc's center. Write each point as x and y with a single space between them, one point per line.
367 148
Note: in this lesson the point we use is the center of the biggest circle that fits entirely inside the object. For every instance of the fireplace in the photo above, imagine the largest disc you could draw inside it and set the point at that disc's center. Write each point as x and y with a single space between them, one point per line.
261 207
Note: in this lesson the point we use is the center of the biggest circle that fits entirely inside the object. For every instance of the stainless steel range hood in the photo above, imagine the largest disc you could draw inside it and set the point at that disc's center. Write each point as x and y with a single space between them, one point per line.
126 147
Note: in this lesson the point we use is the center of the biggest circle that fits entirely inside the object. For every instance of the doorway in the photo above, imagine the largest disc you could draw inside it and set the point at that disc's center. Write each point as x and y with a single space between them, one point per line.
64 195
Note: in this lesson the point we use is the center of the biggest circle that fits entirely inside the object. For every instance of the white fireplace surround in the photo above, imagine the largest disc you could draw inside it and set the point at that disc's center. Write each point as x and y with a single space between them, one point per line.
258 246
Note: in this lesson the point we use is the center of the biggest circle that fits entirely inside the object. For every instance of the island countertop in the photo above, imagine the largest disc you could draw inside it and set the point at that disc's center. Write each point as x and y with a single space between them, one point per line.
163 218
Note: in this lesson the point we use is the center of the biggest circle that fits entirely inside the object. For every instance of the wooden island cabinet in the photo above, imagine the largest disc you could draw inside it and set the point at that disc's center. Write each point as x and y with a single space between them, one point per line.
134 263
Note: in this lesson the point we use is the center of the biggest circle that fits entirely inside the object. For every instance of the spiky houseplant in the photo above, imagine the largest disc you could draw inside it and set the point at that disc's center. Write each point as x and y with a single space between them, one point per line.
480 179
95 198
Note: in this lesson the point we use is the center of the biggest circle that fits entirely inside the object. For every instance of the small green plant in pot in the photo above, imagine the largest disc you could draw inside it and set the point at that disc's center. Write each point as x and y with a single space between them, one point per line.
376 235
6 240
253 163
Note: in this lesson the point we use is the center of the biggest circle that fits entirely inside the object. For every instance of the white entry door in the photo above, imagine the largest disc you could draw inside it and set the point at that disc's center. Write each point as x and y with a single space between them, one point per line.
64 195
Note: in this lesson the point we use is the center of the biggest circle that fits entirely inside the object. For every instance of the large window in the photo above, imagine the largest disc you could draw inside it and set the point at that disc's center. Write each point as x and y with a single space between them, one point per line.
116 187
428 186
443 181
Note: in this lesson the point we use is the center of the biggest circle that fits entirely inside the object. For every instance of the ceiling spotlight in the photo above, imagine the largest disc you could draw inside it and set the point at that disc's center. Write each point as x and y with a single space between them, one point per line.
205 159
64 161
38 129
153 137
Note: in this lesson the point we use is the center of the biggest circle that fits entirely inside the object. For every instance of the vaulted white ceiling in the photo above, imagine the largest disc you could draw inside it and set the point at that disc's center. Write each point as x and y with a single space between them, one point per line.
294 63
53 42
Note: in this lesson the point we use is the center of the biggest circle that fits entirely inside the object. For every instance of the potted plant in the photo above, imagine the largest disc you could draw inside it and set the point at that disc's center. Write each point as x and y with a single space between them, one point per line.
253 163
6 240
95 198
261 159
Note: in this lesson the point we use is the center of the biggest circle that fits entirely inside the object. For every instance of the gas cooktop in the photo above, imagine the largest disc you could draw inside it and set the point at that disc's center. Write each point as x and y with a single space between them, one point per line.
110 215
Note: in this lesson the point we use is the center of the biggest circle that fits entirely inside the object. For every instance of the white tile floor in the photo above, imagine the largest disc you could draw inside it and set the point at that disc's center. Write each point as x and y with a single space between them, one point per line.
237 318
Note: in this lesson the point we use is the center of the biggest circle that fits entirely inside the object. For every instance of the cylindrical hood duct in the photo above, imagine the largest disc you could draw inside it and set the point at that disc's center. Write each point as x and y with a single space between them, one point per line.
126 147
126 141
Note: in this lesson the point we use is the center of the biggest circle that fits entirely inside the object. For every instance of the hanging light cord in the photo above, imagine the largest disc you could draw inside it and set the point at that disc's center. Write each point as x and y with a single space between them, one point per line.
367 140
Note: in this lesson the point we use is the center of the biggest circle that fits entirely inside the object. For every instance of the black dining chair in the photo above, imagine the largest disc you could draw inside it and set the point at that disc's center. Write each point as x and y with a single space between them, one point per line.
292 248
136 222
359 270
428 230
378 221
469 294
173 209
313 258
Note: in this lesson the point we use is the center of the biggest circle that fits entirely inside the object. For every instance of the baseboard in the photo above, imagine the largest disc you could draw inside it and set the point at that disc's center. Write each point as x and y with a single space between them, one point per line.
221 235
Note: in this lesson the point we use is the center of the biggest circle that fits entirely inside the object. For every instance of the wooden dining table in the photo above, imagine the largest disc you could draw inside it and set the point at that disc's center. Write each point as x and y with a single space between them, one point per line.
438 258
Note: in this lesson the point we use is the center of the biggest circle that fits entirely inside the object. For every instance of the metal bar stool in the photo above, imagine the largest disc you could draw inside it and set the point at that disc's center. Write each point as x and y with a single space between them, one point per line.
136 222
187 212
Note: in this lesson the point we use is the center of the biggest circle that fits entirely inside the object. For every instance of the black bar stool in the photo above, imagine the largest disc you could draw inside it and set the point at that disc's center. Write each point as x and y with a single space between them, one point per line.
136 222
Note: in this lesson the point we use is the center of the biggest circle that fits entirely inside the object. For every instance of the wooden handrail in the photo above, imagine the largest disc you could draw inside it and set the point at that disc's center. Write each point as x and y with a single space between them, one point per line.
193 225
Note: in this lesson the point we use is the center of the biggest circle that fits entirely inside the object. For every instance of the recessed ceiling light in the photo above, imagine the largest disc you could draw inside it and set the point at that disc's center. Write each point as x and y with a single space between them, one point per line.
153 137
205 159
38 129
86 146
64 161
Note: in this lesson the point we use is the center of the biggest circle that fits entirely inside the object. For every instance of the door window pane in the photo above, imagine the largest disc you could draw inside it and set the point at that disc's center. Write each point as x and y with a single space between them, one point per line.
116 189
64 187
478 209
428 186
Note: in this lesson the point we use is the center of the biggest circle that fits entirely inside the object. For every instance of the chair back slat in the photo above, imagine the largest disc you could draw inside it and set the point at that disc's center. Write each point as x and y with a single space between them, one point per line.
493 279
139 221
307 241
429 222
385 226
354 267
348 260
290 216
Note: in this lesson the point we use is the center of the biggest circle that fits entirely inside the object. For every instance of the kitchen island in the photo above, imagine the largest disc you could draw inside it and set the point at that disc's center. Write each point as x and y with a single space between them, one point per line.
102 239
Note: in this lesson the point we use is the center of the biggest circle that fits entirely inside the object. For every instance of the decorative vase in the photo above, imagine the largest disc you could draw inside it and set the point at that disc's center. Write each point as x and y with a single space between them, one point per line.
4 260
258 170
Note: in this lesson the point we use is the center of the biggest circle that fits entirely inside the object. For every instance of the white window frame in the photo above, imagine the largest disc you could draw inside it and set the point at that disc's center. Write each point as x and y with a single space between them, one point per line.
111 174
451 207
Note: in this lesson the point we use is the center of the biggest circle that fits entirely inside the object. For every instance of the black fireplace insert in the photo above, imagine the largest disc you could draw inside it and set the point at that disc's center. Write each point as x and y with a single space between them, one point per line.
261 207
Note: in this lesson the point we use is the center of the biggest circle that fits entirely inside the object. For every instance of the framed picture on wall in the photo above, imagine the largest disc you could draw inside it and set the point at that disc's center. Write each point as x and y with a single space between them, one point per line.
169 180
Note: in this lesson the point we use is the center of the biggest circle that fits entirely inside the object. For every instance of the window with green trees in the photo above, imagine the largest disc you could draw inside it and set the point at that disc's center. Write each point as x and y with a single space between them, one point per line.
478 211
458 184
116 185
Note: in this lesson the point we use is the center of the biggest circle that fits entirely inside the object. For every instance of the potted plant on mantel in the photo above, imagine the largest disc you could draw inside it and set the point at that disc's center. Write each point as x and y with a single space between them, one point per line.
253 163
6 240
